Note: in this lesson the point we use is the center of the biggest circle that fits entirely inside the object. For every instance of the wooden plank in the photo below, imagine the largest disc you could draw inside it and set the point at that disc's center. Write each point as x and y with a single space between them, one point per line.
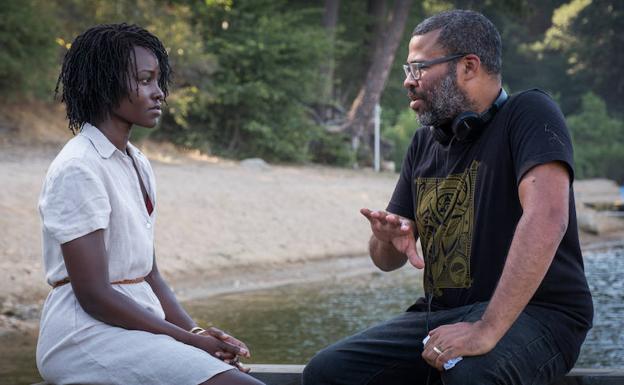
277 374
291 375
587 376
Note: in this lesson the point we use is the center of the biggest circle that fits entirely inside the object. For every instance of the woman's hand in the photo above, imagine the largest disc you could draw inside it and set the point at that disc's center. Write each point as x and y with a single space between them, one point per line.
228 356
223 336
214 346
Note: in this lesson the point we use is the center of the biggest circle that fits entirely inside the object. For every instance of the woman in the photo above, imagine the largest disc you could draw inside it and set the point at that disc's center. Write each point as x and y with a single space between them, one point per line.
110 317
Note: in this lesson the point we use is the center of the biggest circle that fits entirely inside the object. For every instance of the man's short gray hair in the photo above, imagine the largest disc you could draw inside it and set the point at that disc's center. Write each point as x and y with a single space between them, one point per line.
464 31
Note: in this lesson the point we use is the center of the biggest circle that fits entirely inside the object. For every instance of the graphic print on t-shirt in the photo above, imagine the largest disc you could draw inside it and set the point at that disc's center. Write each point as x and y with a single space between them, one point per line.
444 219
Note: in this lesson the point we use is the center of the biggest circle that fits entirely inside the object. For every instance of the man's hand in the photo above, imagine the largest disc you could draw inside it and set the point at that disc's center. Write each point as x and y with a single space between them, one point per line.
397 231
461 339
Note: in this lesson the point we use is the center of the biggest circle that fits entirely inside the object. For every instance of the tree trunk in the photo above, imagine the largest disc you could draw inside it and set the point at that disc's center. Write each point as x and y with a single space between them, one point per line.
376 10
361 111
330 20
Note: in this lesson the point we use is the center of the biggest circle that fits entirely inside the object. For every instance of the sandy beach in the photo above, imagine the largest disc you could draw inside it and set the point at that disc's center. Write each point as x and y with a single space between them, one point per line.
221 225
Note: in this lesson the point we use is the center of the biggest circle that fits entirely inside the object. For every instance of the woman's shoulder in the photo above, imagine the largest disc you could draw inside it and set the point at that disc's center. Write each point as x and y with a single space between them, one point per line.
76 153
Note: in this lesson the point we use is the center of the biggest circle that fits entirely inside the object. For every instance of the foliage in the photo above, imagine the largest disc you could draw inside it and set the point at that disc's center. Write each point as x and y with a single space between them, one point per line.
400 135
598 139
597 58
331 148
585 36
266 72
248 74
26 49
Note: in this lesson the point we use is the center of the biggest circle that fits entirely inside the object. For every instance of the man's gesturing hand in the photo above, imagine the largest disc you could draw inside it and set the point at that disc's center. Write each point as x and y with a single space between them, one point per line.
396 230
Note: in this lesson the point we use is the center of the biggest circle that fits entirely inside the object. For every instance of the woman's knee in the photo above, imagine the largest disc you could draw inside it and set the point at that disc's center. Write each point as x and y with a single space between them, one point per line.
232 377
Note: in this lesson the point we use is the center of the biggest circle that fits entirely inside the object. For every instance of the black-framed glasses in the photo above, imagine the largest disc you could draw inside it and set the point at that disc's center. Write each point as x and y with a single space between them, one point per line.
415 68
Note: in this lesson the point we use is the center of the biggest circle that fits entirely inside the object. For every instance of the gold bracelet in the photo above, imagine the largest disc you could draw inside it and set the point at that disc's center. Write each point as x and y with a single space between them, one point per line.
197 330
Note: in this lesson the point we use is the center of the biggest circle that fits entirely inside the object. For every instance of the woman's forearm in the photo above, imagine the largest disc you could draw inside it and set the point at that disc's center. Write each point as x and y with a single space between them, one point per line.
174 312
114 308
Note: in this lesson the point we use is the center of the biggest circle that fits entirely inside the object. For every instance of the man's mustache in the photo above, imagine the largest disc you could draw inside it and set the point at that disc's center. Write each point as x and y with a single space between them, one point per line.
413 94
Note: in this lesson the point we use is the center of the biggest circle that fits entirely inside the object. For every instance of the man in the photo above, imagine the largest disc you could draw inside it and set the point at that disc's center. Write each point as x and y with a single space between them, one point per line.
489 195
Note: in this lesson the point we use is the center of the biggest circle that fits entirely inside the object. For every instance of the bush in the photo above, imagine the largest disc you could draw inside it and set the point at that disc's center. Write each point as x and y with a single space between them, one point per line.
400 136
268 59
28 49
598 141
329 148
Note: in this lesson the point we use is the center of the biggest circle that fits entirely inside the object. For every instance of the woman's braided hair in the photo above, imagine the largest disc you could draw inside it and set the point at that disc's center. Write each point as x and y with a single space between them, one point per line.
98 67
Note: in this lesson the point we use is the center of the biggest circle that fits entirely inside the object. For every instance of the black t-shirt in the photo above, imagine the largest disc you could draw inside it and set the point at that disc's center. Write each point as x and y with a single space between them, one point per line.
464 199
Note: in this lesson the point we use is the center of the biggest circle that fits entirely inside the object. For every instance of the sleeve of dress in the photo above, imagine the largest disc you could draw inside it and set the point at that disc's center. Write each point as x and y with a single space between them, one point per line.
74 203
539 134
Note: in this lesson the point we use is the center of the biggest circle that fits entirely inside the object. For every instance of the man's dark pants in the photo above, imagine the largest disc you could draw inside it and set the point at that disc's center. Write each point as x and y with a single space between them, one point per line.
390 354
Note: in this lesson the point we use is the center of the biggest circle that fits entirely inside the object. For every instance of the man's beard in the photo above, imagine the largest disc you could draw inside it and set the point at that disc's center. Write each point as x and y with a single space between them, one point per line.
444 102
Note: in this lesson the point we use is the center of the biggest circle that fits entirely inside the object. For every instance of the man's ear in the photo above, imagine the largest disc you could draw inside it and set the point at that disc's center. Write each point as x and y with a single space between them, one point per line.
469 67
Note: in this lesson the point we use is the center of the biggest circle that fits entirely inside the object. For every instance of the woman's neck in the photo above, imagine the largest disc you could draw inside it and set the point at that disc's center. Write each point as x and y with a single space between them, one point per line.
117 132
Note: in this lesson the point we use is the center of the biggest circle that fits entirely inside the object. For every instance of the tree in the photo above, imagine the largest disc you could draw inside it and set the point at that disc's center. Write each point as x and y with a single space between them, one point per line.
360 113
598 141
268 55
26 49
586 37
597 53
330 21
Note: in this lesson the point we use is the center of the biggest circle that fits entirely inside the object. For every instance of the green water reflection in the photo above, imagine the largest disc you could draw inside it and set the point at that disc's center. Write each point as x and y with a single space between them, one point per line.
289 324
17 359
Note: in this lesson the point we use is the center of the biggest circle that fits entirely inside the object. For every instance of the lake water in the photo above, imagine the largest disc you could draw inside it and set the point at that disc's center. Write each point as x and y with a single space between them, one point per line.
290 323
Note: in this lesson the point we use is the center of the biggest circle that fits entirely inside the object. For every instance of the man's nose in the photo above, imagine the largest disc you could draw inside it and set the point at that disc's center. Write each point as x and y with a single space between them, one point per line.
409 82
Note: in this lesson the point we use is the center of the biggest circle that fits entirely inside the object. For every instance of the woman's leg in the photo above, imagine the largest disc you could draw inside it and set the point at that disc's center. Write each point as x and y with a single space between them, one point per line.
232 377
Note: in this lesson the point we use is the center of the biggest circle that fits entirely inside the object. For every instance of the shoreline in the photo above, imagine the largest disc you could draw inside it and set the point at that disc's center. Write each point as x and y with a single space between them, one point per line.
245 279
226 226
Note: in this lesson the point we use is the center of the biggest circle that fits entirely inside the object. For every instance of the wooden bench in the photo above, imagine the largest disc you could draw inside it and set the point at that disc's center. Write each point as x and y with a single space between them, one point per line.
291 375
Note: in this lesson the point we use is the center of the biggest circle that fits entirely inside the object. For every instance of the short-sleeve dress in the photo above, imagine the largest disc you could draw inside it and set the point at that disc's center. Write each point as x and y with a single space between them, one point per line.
92 185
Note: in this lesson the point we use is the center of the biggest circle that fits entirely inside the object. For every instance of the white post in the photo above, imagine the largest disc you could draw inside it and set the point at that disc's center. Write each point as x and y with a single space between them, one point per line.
377 159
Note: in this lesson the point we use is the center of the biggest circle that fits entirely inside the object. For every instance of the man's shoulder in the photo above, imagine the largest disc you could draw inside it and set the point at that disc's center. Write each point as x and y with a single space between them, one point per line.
532 97
533 103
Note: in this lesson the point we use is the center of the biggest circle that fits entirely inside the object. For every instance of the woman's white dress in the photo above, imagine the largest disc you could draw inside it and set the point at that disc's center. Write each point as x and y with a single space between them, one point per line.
92 185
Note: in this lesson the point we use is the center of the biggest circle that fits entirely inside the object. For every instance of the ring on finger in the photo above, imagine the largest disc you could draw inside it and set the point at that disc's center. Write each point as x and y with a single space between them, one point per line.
437 350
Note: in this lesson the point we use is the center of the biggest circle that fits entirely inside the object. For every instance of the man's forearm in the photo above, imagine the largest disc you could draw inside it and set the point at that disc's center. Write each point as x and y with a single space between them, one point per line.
384 255
532 250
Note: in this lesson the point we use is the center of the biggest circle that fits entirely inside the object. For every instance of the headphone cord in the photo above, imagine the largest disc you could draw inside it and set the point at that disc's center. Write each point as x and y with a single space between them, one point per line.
448 155
429 297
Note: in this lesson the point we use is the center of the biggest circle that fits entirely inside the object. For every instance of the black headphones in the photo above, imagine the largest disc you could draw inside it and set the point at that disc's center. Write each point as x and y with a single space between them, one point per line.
469 123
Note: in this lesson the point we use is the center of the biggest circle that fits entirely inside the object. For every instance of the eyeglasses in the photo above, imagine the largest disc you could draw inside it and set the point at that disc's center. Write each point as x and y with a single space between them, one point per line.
415 68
